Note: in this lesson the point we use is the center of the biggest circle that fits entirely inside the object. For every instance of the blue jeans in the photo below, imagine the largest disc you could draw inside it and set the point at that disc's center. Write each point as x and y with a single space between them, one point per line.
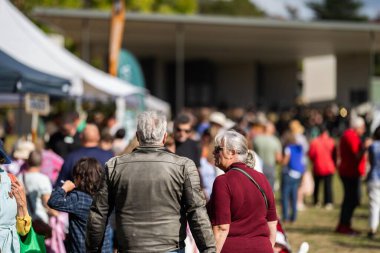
177 251
289 189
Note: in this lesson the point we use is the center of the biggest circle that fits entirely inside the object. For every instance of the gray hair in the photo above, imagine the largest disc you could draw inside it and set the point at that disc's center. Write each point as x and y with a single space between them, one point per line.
235 141
357 122
151 127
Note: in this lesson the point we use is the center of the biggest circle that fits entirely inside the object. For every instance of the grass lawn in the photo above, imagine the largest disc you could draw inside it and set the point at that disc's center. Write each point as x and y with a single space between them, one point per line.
316 226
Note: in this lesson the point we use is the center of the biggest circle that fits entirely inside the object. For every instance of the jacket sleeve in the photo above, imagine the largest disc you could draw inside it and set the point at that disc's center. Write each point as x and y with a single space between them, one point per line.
63 202
100 210
196 211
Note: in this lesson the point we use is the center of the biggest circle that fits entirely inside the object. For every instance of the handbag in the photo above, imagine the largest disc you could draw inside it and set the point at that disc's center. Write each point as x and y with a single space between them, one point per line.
40 227
32 243
255 183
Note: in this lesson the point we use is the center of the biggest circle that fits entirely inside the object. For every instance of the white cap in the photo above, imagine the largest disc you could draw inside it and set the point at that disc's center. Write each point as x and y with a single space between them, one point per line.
23 149
229 124
218 118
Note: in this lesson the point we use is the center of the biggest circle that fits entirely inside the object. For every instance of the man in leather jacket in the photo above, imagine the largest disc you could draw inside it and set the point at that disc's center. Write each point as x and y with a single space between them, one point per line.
154 193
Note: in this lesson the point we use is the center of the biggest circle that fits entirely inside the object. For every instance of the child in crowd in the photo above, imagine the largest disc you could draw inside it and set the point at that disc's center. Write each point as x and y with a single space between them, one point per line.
281 244
75 198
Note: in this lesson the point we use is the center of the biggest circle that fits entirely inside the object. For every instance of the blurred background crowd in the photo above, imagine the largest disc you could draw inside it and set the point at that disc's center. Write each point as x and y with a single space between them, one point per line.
298 78
297 150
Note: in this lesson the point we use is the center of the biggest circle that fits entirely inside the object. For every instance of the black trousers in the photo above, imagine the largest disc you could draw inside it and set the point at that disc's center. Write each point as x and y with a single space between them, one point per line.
327 189
351 199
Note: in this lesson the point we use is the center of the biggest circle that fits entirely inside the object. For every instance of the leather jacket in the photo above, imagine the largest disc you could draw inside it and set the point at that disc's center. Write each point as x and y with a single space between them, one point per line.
154 193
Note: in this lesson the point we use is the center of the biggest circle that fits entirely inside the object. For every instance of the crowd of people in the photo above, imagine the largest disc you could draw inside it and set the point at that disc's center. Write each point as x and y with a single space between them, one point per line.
188 178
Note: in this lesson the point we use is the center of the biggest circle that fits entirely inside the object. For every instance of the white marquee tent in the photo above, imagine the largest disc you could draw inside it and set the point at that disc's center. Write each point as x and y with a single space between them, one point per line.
25 42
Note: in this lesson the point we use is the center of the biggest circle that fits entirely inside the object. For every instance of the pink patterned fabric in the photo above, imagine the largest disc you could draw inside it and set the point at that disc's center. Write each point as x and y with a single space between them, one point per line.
191 247
51 165
55 243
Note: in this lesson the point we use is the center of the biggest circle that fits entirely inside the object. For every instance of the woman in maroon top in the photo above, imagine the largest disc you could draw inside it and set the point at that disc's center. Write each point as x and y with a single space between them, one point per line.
241 221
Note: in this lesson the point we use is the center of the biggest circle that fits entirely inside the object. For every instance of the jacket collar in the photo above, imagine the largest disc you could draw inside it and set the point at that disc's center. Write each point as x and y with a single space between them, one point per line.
150 148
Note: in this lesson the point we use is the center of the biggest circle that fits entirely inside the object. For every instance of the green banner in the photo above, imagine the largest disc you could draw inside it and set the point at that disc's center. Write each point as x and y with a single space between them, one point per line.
129 70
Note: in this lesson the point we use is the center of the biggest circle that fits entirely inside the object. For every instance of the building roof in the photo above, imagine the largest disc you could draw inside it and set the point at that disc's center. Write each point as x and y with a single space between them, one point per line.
218 38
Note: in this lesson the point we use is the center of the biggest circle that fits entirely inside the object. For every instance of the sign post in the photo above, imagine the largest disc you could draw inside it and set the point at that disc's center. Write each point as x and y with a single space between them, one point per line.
36 104
116 34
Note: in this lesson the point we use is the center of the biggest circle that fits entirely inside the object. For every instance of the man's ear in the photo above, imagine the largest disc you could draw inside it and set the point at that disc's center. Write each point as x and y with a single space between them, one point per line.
165 138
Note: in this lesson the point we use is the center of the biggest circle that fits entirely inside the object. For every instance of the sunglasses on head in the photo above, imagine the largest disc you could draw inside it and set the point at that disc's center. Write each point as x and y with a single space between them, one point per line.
183 130
217 149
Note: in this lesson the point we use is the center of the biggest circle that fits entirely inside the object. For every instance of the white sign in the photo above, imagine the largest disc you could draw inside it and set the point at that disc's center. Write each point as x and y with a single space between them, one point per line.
37 103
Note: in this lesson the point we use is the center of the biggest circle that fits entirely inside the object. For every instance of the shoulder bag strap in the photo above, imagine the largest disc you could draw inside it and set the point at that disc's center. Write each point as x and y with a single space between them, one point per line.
255 183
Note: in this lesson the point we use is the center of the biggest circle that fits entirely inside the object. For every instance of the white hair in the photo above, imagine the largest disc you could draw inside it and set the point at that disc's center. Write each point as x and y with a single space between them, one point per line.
151 127
235 141
357 122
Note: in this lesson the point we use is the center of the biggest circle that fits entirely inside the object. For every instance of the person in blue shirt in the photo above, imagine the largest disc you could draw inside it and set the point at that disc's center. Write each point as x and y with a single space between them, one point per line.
90 141
75 198
292 171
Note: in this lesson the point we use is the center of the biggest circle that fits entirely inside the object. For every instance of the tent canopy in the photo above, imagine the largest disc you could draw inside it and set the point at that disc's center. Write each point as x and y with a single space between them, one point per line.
17 77
26 43
8 80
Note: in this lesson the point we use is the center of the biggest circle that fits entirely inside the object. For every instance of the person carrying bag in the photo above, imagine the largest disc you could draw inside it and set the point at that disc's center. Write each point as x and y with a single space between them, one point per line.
15 222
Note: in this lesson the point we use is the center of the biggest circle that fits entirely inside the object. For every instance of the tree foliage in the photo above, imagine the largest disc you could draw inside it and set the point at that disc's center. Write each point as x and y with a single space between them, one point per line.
220 7
163 6
292 11
140 5
230 7
337 10
27 5
147 6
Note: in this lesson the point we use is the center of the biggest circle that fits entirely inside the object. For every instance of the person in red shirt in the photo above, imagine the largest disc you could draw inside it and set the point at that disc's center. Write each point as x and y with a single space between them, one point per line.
241 220
351 169
322 154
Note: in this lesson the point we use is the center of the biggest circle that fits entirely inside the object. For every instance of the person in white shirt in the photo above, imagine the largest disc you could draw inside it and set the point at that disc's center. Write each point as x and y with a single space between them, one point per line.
38 188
